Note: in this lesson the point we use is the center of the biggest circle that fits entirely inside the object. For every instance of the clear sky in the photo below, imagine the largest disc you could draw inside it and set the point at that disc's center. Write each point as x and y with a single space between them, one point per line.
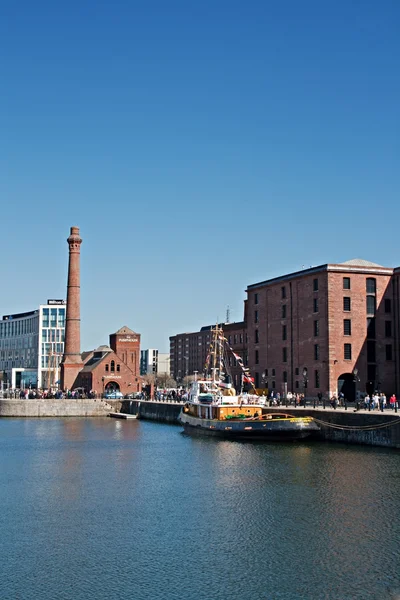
199 146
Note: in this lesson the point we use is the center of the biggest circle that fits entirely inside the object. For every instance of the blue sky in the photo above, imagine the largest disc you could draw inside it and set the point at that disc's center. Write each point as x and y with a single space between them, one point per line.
199 146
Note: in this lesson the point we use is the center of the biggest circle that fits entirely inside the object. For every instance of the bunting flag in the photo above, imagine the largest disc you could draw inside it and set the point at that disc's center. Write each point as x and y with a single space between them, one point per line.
247 378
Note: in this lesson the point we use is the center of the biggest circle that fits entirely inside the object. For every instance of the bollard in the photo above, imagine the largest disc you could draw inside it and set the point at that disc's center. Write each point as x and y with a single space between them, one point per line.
323 402
381 403
369 406
314 403
395 407
345 405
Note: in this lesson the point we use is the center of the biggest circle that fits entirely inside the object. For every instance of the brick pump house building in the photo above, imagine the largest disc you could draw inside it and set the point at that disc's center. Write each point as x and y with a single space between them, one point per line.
113 367
324 329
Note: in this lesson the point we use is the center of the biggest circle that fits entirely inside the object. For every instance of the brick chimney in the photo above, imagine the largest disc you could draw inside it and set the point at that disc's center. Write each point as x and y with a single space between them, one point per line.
71 363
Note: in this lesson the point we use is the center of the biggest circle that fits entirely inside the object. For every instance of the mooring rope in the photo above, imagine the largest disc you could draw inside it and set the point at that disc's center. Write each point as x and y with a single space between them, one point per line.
357 427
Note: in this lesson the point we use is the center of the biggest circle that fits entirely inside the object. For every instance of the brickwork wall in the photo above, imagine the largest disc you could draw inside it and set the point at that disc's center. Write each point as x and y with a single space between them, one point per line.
307 310
196 346
127 347
358 339
285 309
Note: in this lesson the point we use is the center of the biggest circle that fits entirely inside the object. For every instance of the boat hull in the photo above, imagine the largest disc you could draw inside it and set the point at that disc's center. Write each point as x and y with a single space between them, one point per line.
291 428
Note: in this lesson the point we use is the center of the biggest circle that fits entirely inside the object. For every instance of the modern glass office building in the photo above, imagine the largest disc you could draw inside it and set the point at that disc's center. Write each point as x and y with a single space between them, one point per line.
31 347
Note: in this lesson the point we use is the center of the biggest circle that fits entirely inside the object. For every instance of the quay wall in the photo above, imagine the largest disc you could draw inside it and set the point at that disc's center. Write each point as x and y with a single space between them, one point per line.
384 436
167 412
164 412
56 408
381 436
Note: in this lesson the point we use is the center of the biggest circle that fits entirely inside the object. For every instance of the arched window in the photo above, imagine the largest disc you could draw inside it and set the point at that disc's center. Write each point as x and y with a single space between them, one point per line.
112 366
118 368
107 365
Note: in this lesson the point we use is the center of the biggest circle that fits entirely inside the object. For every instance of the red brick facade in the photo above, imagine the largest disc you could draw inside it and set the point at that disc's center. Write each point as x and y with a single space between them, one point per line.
113 367
195 347
126 344
296 324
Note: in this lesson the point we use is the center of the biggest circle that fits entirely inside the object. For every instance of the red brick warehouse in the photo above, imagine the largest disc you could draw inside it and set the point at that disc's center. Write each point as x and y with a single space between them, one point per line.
324 329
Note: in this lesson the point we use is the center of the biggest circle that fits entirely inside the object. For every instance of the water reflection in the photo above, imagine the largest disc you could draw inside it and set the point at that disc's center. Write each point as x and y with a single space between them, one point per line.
94 504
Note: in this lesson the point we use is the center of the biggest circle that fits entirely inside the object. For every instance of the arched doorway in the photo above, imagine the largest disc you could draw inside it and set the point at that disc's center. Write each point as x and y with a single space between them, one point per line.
112 386
347 386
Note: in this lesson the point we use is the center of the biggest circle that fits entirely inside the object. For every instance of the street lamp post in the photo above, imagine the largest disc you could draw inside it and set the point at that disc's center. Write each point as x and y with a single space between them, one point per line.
305 383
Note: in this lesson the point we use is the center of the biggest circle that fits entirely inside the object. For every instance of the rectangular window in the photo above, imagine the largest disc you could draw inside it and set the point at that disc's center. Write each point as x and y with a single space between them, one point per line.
316 328
256 338
388 328
45 322
347 352
388 305
297 385
53 317
257 380
256 316
315 285
389 353
256 357
296 371
371 329
346 283
284 376
283 311
371 305
255 298
284 354
371 352
273 385
283 292
347 326
315 302
316 351
284 332
346 304
371 285
266 373
273 372
316 378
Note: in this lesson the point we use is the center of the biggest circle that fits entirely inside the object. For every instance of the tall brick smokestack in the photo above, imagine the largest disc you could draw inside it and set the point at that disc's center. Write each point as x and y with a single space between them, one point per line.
71 363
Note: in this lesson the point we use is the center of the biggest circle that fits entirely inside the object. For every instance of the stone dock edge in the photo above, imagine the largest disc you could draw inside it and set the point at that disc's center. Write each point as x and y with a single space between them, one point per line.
384 428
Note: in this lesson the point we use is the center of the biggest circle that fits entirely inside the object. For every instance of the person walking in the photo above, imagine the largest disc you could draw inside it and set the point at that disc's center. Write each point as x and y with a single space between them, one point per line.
392 401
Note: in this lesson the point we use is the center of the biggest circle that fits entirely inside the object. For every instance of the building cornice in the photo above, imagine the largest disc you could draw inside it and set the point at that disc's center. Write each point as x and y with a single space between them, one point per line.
330 268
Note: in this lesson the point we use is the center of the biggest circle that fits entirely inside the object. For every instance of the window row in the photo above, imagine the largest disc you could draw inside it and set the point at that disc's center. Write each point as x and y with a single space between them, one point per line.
111 367
370 304
370 284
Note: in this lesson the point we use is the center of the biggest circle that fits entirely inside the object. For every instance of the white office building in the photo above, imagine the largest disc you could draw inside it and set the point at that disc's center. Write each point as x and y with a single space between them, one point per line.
31 347
153 362
163 364
148 361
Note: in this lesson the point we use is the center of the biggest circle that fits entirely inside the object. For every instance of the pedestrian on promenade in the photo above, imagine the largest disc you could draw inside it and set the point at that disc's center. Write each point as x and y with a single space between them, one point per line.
392 401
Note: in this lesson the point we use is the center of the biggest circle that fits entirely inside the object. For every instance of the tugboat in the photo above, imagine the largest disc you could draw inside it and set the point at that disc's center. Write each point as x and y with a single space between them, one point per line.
213 407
